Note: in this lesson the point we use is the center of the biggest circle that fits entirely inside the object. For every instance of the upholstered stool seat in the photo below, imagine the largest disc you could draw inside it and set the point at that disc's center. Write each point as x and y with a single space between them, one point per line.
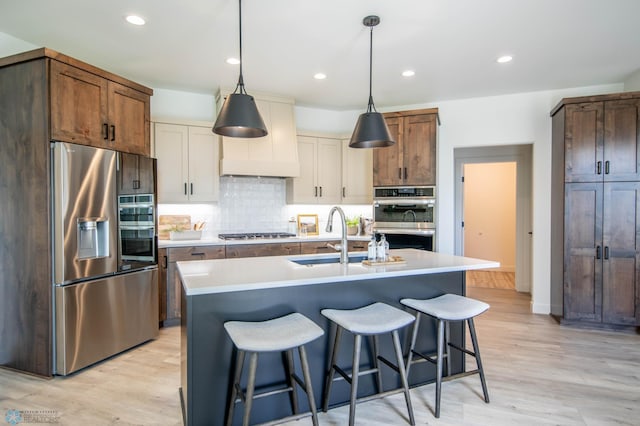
371 320
445 309
281 334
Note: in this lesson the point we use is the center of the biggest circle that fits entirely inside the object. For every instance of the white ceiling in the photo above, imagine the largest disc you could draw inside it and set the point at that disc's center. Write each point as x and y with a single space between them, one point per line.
451 44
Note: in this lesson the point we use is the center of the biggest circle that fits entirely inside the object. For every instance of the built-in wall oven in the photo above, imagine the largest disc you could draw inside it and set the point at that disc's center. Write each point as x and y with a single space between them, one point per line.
136 231
406 216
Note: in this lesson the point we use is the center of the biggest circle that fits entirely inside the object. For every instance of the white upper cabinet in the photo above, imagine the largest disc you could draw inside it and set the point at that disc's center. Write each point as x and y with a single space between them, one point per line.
273 155
188 158
357 174
320 172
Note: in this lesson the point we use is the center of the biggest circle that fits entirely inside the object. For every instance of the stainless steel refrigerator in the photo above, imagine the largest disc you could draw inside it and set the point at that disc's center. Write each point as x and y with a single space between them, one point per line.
99 311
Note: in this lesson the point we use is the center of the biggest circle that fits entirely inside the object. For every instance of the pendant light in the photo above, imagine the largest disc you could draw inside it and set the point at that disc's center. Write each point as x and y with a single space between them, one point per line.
239 116
371 129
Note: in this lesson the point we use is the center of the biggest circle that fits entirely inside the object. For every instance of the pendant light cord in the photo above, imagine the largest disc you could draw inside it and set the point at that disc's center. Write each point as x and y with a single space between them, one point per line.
371 107
240 84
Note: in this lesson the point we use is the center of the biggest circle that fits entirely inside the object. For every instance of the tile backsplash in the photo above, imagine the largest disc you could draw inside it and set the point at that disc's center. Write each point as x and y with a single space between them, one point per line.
253 204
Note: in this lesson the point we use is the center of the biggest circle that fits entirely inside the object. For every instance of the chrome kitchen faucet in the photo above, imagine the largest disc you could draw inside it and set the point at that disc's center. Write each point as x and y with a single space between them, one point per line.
343 247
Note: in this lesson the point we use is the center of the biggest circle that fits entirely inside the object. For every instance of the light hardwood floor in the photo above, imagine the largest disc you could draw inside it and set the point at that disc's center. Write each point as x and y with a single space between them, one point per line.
491 279
538 373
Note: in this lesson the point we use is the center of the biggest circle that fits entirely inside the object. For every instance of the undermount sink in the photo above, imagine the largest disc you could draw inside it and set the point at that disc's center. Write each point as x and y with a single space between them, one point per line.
322 260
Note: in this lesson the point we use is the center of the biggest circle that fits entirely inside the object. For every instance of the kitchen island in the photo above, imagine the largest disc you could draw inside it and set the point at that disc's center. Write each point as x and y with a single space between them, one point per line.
256 289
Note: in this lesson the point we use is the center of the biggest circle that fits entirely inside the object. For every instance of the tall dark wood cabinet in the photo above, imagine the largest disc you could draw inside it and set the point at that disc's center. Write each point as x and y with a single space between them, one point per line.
136 174
42 99
595 248
412 159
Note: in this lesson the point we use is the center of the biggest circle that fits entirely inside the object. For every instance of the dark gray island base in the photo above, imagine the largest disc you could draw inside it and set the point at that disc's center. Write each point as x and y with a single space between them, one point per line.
207 356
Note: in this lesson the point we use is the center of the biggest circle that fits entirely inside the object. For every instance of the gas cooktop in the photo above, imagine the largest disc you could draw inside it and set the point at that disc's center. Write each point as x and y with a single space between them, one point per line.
255 235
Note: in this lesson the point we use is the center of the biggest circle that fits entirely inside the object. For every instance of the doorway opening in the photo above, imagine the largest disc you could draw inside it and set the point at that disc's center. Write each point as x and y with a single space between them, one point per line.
493 213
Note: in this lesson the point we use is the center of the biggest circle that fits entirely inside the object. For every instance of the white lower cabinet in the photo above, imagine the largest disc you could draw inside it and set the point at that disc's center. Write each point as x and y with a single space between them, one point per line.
320 180
188 163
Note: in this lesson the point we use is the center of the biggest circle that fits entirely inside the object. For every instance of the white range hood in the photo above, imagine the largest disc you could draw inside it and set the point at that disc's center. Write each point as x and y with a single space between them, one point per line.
273 155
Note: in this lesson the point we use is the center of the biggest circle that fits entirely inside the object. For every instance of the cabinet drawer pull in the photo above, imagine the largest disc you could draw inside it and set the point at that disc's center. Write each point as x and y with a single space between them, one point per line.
197 254
113 133
105 131
598 252
599 167
606 167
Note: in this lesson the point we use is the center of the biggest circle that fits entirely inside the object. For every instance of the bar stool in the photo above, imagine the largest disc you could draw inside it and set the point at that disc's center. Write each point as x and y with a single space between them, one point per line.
281 334
445 309
371 320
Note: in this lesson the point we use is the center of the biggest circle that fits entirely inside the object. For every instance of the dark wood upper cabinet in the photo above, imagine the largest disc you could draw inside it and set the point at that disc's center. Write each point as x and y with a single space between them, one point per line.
71 88
412 159
90 109
136 174
602 141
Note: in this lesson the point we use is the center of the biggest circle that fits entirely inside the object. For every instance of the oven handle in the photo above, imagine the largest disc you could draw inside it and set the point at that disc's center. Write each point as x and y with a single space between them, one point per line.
405 202
403 231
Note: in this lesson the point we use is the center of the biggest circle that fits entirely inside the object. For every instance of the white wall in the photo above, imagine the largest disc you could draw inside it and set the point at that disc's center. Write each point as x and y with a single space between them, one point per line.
632 83
173 104
9 45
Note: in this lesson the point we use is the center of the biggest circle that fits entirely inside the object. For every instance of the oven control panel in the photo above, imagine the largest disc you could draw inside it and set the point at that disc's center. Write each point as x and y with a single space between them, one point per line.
404 192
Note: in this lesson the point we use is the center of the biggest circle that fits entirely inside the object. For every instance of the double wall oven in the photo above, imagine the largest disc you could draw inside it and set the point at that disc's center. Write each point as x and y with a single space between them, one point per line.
137 231
406 216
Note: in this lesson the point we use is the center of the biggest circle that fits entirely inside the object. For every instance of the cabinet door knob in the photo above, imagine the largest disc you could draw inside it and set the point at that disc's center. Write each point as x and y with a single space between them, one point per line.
105 131
399 172
606 167
598 252
315 191
405 173
191 188
185 188
113 133
599 167
321 191
344 192
606 252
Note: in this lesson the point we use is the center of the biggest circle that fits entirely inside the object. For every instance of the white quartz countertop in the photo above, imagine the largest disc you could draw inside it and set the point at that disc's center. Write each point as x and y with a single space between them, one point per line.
254 273
217 241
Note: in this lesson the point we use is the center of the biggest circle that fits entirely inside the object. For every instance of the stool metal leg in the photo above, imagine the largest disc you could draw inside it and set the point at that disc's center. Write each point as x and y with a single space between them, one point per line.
414 337
439 365
476 349
403 375
447 336
290 381
331 370
376 362
354 378
251 383
234 387
307 384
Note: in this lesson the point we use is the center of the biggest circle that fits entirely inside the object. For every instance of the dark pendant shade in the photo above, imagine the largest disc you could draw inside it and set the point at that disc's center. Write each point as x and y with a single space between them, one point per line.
371 132
239 118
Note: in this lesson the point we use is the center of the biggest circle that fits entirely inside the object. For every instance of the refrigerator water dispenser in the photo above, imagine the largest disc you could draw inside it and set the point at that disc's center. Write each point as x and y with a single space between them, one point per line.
93 238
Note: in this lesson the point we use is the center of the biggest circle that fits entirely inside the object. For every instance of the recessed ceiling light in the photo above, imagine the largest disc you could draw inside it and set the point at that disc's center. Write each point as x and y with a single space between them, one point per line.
504 59
233 61
320 76
408 73
135 20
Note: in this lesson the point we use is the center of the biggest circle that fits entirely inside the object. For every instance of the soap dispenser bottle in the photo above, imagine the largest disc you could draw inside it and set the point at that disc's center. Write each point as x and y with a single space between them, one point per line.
372 249
383 249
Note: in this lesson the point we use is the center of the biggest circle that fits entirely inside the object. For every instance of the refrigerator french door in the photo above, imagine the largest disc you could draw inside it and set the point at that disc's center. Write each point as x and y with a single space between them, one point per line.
99 311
